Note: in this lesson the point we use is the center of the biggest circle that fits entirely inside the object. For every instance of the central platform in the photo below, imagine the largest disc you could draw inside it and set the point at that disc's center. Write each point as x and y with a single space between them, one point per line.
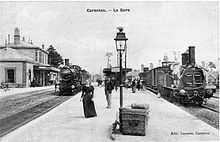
67 123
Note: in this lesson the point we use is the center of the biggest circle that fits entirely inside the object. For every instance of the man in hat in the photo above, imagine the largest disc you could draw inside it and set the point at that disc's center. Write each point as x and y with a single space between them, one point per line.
108 91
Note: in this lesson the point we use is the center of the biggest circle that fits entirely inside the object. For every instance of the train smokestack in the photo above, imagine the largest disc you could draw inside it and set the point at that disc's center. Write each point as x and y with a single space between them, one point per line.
185 57
67 62
192 60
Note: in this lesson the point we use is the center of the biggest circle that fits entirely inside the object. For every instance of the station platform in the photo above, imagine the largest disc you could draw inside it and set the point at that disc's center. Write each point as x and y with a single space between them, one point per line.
66 123
13 91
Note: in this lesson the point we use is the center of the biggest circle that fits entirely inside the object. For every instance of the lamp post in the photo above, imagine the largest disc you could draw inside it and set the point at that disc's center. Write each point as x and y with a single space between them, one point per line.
120 42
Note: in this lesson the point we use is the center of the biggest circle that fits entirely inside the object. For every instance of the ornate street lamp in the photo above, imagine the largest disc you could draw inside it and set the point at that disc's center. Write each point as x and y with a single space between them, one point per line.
120 42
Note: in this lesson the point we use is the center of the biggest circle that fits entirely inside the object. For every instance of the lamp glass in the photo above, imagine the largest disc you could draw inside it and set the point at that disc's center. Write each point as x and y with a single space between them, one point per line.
120 44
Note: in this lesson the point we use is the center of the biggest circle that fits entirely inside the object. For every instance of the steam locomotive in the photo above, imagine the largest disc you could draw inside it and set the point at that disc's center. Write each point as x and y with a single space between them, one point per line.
71 79
184 84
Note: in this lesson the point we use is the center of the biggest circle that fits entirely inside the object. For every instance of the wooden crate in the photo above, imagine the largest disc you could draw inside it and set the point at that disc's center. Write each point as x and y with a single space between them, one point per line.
134 121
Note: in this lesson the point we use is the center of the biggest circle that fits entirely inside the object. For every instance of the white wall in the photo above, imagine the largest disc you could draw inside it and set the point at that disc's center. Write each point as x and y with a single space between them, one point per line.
17 65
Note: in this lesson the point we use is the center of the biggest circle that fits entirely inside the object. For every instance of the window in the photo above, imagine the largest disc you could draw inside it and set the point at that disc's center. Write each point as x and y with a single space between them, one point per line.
46 59
188 79
40 57
198 78
36 55
193 79
10 75
29 75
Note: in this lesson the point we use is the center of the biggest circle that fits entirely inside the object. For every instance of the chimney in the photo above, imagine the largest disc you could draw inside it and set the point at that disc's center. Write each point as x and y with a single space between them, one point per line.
192 55
5 44
67 62
16 36
185 57
8 38
23 38
43 46
142 67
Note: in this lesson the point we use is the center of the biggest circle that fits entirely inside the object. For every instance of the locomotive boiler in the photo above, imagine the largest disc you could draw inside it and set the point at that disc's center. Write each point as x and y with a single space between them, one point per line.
185 84
70 80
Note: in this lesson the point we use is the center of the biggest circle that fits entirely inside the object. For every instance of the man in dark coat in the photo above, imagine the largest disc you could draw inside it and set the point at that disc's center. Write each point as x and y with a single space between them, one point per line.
108 91
134 86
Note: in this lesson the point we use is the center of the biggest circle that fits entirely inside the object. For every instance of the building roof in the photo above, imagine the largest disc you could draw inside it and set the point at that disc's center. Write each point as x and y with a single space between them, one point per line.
9 54
23 45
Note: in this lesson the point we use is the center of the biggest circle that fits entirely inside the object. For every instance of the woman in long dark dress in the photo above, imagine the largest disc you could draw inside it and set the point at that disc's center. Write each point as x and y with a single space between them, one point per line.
88 103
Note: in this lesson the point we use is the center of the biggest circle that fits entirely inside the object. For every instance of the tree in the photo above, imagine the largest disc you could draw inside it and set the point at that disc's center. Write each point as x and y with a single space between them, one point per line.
55 59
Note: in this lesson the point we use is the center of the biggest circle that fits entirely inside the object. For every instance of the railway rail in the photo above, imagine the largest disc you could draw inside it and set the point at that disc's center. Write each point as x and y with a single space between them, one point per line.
15 120
209 108
14 105
24 94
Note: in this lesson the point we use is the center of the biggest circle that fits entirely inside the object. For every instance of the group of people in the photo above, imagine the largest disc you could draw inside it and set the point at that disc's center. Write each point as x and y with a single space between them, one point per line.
138 84
88 95
109 85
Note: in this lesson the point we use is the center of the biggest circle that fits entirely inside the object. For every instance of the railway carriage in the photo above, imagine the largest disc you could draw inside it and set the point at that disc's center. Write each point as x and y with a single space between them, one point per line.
188 85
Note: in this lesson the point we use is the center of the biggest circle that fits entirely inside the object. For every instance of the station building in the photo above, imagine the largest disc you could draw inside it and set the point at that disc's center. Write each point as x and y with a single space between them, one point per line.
22 62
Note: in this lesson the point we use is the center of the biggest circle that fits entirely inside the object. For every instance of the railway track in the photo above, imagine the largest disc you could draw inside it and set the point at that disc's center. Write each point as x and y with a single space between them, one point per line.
209 108
24 116
25 94
14 105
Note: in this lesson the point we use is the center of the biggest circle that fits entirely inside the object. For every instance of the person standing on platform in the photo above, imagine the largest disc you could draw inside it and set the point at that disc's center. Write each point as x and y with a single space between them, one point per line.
108 91
115 83
160 89
87 98
138 84
133 84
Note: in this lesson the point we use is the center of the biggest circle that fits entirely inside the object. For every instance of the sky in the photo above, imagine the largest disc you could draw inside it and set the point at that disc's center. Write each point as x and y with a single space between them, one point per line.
153 29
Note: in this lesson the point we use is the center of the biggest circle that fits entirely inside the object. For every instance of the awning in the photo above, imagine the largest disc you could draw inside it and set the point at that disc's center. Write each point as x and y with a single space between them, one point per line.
46 68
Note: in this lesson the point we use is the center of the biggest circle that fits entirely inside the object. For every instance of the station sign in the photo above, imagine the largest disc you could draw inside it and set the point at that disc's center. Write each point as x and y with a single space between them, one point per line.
42 67
115 69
